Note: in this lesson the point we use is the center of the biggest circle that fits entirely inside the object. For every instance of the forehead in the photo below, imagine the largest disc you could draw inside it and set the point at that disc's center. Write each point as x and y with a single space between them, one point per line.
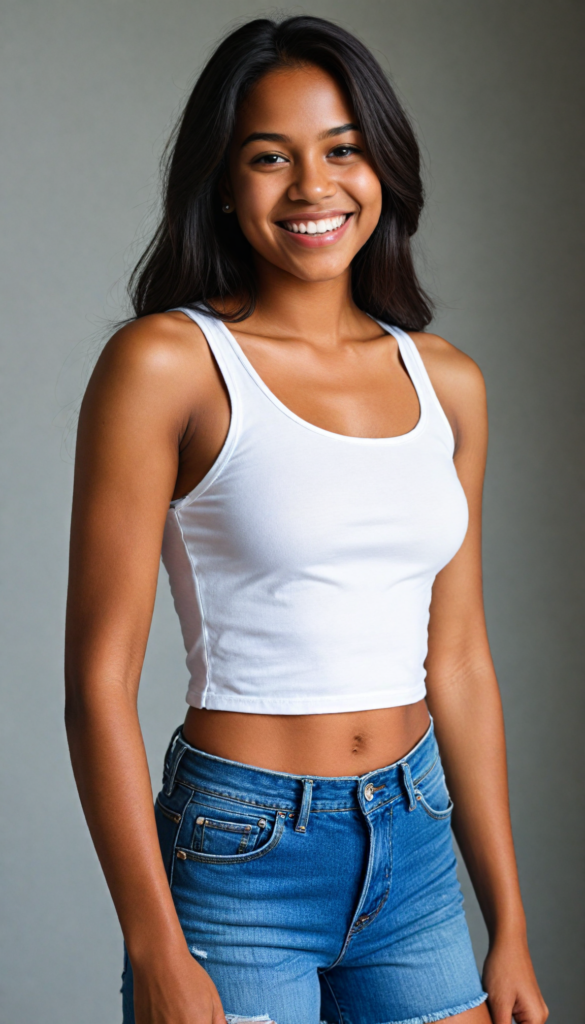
292 101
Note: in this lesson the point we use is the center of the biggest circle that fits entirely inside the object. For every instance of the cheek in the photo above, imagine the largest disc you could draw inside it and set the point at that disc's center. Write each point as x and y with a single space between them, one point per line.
255 197
364 186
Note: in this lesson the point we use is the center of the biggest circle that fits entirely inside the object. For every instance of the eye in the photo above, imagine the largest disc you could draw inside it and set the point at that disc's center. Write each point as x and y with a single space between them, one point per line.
269 159
344 150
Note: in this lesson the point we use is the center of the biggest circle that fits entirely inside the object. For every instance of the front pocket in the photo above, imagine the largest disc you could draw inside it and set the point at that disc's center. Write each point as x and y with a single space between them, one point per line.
433 811
225 827
216 841
223 838
432 793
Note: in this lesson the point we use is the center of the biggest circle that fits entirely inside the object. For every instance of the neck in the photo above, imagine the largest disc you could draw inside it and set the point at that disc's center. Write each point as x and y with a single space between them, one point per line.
290 307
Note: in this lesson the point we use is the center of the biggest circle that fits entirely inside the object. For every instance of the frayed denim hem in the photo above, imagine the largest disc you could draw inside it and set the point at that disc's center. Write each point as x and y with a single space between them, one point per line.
429 1018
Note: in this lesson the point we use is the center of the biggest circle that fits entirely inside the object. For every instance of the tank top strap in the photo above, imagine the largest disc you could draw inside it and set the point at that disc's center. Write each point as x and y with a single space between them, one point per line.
418 373
219 344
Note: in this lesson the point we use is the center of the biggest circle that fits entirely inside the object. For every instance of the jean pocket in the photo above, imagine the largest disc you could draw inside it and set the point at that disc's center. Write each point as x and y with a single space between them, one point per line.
224 837
432 794
225 831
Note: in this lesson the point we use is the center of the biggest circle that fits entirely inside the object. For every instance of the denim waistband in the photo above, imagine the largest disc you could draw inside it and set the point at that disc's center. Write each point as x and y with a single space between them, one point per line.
301 793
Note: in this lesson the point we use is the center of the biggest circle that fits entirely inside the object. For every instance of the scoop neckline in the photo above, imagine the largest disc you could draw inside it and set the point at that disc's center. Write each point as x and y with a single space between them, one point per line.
351 438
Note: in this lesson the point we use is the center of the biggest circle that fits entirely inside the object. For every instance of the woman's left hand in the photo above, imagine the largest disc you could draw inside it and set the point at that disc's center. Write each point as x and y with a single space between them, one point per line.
511 985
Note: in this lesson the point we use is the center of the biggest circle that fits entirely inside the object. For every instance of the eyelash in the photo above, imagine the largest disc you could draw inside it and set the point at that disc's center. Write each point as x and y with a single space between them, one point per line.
270 159
350 148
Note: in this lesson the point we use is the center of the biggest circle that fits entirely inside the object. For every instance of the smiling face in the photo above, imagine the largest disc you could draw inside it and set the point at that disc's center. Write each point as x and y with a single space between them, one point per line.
304 191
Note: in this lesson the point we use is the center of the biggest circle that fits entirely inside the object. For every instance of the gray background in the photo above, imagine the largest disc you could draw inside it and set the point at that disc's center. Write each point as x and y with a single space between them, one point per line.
88 93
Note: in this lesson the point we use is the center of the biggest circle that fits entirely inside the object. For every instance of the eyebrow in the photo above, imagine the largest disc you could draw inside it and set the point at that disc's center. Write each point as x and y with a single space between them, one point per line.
276 137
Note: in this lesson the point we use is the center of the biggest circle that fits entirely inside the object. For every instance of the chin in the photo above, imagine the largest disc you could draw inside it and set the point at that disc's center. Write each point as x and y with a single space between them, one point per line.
318 266
319 274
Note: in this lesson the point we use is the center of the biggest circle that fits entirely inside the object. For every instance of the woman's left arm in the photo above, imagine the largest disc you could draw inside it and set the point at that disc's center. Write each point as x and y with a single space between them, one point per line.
464 699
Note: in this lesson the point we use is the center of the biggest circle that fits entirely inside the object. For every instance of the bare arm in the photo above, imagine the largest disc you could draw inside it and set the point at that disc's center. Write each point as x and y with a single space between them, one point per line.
464 699
135 412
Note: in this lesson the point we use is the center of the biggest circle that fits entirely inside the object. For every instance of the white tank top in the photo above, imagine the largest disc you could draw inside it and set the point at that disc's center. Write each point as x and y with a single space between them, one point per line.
301 566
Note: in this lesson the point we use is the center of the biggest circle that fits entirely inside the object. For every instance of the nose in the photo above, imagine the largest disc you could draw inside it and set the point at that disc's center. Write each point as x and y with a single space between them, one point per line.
312 182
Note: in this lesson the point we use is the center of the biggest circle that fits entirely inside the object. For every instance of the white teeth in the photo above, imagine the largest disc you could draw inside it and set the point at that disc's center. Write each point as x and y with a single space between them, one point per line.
316 227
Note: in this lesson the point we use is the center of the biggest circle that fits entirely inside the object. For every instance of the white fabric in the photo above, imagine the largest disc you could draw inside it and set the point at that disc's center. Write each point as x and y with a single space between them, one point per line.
301 567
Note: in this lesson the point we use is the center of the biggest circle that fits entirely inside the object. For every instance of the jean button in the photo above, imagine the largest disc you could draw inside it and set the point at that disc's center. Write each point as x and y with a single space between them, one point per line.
369 791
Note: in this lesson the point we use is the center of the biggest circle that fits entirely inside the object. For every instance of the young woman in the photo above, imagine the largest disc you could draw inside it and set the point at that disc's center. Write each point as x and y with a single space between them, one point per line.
323 459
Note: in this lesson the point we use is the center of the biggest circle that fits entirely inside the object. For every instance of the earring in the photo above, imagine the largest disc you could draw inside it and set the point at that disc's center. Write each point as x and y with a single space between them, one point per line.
226 207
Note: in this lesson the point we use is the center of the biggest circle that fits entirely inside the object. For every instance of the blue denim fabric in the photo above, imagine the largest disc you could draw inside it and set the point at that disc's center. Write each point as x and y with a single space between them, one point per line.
318 899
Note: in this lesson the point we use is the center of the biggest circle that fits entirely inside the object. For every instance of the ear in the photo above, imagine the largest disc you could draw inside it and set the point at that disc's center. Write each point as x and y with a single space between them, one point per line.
225 191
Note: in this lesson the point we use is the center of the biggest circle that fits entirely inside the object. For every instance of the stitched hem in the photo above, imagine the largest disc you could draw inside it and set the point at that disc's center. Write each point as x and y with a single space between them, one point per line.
429 1018
215 700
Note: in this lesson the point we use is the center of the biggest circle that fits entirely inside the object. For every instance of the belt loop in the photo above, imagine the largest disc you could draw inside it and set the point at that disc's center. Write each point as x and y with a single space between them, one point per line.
301 825
171 747
409 785
176 751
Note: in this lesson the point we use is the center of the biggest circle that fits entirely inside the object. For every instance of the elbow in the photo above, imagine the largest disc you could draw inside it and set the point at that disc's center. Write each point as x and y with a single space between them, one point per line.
75 710
97 698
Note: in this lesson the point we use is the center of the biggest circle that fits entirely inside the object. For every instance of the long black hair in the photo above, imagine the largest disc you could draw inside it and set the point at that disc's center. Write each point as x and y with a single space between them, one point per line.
199 255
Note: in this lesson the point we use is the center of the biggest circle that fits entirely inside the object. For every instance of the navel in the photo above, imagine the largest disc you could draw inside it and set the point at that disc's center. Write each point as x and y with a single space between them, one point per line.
358 742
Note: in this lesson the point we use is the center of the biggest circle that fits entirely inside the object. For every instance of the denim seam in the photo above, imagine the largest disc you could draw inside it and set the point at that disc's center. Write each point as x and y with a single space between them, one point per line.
334 997
236 799
375 912
278 807
225 826
241 810
432 813
356 914
237 825
332 810
384 803
384 899
174 816
417 782
175 843
179 780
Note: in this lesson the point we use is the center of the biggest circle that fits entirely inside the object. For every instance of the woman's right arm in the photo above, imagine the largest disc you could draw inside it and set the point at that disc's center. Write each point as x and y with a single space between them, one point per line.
137 408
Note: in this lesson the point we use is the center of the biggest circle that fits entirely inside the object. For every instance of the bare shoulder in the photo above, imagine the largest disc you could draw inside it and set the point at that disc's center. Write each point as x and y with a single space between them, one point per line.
457 380
161 355
157 344
448 363
155 373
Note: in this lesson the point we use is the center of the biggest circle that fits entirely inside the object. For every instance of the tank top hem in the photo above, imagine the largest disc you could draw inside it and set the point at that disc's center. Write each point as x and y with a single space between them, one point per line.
321 705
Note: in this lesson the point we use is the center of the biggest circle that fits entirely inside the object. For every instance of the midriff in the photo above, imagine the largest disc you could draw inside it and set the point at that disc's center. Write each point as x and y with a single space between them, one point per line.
350 743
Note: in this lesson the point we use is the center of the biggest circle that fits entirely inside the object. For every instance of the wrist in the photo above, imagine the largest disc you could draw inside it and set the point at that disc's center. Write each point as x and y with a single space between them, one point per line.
157 946
510 931
508 927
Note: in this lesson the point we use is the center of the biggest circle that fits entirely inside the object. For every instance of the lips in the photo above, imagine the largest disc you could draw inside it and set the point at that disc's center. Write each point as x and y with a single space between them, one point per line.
314 232
315 227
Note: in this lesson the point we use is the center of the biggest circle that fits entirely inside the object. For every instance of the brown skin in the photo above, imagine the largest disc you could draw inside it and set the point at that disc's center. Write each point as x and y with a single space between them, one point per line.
153 421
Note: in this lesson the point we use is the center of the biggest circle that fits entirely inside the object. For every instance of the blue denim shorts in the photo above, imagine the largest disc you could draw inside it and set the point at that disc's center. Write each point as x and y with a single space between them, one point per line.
318 899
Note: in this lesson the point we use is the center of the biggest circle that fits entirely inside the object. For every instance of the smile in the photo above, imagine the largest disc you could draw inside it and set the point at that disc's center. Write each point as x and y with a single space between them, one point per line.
316 233
315 227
